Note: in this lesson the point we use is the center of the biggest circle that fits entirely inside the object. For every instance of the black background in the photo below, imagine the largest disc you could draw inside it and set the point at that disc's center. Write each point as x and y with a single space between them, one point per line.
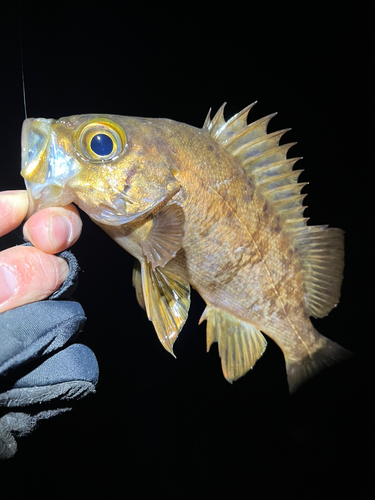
160 427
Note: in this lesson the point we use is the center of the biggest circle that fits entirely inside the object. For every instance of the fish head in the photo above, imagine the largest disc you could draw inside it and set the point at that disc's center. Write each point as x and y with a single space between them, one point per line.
115 168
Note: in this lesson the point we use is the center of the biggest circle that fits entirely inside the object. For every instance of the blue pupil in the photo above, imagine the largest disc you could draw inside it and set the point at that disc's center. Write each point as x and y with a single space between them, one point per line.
102 144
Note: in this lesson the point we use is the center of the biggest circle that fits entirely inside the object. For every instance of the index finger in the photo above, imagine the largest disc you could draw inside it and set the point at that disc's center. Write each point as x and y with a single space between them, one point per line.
13 208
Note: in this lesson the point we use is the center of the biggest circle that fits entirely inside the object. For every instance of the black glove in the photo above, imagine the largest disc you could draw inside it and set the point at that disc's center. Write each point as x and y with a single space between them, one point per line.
39 364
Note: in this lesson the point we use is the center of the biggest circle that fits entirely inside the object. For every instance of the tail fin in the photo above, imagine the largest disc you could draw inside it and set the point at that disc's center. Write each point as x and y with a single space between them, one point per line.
328 354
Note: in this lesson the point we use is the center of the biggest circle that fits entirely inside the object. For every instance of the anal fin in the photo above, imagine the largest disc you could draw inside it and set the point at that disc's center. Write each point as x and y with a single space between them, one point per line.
167 301
240 343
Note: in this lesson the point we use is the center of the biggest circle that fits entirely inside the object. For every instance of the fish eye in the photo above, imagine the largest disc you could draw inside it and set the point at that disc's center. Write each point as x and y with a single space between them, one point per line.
102 144
100 140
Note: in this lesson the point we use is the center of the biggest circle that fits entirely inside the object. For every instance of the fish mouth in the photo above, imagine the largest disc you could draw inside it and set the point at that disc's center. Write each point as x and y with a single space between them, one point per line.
45 166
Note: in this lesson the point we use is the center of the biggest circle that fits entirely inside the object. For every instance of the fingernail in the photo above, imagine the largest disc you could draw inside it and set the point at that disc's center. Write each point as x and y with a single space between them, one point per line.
60 231
8 284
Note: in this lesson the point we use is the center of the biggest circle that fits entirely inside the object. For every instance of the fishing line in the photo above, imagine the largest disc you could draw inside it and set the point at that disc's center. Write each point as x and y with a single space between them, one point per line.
21 51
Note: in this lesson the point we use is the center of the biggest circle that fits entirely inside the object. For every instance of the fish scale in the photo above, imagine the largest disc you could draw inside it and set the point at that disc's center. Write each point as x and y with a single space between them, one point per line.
218 208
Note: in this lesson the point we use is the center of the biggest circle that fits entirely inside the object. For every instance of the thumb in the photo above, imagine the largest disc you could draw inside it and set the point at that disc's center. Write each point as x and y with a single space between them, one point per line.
28 275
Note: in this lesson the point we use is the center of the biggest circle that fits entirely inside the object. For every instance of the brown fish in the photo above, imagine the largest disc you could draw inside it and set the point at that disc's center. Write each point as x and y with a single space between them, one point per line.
217 208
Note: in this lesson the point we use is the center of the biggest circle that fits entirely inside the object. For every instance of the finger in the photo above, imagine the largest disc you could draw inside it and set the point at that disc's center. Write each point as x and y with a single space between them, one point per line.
54 229
27 275
13 208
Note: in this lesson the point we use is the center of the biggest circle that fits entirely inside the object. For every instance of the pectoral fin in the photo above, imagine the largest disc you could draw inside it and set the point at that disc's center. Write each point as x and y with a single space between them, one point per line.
240 344
165 237
167 301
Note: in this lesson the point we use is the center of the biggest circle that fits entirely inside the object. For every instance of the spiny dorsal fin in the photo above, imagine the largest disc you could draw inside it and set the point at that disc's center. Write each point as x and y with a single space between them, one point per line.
167 301
240 344
217 121
320 250
262 158
223 131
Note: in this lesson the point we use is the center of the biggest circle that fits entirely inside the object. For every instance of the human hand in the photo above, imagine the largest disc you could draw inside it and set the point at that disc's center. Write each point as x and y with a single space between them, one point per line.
41 371
29 274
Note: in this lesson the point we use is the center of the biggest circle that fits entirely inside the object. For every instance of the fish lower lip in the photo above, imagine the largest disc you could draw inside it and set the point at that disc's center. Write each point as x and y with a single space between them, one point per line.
31 205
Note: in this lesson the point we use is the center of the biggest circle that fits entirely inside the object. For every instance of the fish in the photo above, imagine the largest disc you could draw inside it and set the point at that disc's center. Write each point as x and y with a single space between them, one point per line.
217 208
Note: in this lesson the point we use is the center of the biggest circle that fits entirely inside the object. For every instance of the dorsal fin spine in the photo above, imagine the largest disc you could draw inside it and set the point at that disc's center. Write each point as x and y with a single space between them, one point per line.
262 159
291 203
249 128
240 117
297 221
292 187
287 164
294 212
291 176
274 137
218 121
207 121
